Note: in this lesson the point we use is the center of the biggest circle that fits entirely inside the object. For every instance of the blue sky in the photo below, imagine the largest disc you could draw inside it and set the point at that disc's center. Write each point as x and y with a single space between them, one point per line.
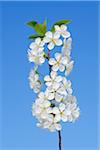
18 127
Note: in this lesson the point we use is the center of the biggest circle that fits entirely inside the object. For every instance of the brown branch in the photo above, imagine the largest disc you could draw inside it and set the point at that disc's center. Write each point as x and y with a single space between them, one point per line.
60 140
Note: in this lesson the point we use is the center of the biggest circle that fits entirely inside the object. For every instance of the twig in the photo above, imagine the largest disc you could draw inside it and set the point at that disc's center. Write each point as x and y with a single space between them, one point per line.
60 144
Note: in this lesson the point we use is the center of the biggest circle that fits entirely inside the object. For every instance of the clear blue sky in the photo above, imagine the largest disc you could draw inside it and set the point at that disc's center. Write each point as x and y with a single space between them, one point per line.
18 127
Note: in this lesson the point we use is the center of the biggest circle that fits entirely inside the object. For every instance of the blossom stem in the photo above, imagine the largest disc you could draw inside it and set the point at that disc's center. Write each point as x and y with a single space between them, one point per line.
48 60
60 140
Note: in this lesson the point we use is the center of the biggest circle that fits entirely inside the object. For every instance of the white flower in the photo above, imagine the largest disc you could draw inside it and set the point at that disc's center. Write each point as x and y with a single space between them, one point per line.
69 68
62 108
59 87
62 30
36 56
40 108
67 85
72 112
34 81
47 95
49 124
59 62
66 49
53 81
53 123
37 45
63 90
52 39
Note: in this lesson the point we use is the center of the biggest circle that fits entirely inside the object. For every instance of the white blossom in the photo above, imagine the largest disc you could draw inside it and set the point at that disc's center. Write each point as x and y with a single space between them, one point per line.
34 81
36 56
53 81
62 30
52 39
62 89
38 45
69 68
50 124
59 62
67 45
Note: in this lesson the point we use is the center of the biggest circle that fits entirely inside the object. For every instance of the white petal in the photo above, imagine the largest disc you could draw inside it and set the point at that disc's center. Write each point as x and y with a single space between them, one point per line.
57 118
57 56
70 91
58 79
32 45
62 90
52 61
56 85
42 43
41 60
69 67
52 128
40 49
53 74
50 45
55 110
64 80
46 39
46 125
49 34
68 112
66 34
61 67
50 118
41 95
43 115
46 104
58 126
62 107
47 78
58 97
57 28
58 42
64 118
51 96
38 40
56 35
76 113
63 27
48 83
64 60
49 110
39 125
55 67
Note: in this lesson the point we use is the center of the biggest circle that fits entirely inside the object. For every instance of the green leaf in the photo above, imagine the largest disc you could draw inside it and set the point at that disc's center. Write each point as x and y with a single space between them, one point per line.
32 24
34 36
60 23
39 28
44 26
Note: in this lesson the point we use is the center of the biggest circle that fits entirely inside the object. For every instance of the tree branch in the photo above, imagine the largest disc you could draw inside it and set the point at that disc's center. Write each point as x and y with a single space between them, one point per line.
60 140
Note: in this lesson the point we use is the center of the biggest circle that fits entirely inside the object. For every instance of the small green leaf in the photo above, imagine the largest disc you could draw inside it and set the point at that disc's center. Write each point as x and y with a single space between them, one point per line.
60 23
34 36
39 28
44 26
32 24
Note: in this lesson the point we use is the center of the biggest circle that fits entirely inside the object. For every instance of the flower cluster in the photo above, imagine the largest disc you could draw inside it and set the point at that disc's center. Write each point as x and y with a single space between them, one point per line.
56 104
